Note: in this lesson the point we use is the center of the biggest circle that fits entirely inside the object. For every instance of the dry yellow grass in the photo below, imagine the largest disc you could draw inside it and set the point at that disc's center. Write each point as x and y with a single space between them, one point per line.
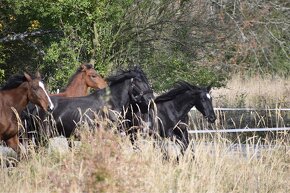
243 91
106 162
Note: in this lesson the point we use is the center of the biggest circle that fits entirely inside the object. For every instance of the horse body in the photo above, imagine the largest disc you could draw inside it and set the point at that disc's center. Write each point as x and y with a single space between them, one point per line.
70 111
125 89
14 96
168 120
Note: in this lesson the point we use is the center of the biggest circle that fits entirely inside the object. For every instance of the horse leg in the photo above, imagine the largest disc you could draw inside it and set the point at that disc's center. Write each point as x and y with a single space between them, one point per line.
13 142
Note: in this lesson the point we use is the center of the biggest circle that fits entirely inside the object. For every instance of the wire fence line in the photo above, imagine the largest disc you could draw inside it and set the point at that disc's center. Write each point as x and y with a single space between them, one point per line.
246 109
241 130
238 130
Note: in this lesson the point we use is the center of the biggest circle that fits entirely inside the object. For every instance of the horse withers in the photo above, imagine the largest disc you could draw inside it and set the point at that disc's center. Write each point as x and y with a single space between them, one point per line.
14 96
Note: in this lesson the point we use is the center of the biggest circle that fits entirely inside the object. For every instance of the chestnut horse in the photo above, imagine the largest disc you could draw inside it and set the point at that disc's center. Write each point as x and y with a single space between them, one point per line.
14 96
85 77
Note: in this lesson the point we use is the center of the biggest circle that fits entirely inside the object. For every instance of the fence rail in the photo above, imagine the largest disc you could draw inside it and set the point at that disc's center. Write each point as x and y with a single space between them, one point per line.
251 109
246 109
238 130
241 130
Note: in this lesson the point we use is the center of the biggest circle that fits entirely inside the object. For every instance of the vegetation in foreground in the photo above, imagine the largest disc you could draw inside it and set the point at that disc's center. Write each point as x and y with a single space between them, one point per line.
105 162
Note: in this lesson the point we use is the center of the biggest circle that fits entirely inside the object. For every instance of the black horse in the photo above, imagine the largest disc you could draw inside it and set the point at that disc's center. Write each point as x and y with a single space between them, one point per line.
126 89
169 117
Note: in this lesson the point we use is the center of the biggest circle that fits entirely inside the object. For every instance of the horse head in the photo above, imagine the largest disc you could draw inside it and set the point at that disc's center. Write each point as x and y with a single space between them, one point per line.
92 78
132 86
37 93
204 103
140 90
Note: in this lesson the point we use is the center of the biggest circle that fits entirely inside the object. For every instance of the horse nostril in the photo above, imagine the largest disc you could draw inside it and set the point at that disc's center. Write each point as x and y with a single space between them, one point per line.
212 119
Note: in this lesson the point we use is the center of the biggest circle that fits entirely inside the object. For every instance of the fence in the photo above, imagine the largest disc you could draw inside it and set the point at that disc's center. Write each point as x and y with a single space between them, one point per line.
240 130
248 109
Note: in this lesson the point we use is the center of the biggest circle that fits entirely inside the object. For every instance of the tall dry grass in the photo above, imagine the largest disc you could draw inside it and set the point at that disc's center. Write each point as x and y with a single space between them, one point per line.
106 162
257 91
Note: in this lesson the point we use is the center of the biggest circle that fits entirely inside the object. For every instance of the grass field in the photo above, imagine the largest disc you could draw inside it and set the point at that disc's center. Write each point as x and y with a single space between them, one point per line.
106 162
255 92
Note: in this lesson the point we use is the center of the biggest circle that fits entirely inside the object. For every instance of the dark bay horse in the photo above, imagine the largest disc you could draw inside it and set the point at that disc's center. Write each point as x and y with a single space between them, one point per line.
171 111
126 89
14 96
85 77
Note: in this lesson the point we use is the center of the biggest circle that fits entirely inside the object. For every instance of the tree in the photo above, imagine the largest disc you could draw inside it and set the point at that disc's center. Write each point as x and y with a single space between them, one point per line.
199 41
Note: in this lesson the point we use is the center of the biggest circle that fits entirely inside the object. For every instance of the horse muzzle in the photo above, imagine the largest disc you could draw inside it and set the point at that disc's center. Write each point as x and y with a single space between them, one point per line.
50 108
211 119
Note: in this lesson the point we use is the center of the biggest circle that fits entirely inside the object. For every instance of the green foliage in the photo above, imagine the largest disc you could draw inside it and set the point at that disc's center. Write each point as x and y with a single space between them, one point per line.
1 76
175 68
1 61
60 64
80 42
171 40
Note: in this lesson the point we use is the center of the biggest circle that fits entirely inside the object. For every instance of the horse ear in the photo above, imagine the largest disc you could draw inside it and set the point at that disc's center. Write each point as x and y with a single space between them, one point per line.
208 88
28 77
83 67
37 75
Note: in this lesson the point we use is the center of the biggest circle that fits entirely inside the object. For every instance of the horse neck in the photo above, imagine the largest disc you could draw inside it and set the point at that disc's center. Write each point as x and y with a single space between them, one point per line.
19 100
76 88
119 96
182 103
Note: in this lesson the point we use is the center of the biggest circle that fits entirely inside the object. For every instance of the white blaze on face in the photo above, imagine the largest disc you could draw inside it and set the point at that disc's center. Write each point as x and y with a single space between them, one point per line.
208 96
51 106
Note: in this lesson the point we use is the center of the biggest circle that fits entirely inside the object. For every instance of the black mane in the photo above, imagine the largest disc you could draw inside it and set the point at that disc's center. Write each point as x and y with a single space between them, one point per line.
14 82
180 87
79 70
126 74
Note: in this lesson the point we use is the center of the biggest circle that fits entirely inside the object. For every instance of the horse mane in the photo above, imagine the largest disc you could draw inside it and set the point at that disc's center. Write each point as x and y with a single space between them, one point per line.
79 70
122 75
180 87
14 82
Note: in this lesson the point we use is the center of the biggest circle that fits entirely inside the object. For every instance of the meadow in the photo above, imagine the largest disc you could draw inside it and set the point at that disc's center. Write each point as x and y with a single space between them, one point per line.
106 162
254 92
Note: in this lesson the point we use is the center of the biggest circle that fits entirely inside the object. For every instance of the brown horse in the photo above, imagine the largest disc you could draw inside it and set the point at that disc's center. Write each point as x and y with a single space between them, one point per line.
85 77
14 96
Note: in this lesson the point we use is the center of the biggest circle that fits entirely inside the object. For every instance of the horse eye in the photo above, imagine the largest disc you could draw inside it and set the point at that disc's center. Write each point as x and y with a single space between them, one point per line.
93 76
35 87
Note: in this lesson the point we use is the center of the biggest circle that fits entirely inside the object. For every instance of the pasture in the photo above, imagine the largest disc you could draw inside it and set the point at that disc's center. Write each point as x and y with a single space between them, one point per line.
106 162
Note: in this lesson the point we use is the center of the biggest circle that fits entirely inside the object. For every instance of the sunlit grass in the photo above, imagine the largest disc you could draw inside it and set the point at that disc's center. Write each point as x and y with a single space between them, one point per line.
106 162
256 92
